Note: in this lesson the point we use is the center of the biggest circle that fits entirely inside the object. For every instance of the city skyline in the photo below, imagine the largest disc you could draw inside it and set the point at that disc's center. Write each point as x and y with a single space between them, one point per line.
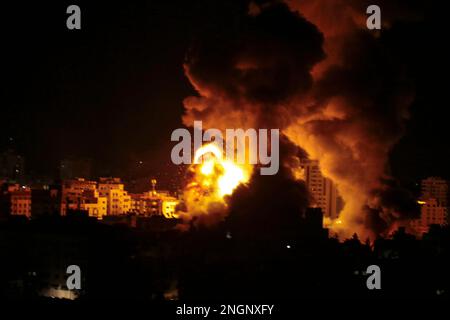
108 197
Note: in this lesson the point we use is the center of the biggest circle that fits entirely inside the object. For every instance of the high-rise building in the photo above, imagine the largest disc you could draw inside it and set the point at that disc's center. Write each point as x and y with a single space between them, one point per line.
119 201
431 212
435 188
433 204
323 191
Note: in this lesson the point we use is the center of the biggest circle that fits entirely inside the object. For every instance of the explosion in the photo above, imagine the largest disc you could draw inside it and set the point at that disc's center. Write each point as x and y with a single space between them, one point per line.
336 90
212 179
218 175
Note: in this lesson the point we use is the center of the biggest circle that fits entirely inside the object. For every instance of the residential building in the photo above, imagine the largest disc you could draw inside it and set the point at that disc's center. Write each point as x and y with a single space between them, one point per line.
154 202
323 191
94 204
20 200
431 212
433 205
73 193
435 188
119 201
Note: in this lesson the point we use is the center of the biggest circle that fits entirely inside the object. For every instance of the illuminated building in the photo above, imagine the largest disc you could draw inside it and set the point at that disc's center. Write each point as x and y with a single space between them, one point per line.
75 192
323 191
148 204
154 203
168 206
94 204
119 201
145 204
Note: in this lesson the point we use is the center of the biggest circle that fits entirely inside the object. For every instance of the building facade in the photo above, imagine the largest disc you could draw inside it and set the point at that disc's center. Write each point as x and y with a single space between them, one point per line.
431 212
20 200
15 200
119 201
433 205
323 191
95 205
435 188
76 193
154 202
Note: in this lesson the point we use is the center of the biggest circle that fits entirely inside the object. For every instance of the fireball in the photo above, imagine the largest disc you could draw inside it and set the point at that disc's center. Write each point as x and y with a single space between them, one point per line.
221 175
212 178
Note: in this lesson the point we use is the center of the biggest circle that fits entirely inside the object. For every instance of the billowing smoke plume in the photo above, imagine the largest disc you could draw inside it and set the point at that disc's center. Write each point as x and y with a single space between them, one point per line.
249 69
270 207
314 71
361 100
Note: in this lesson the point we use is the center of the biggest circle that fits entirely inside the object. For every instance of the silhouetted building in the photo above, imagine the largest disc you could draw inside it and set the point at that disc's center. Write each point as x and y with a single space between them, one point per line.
431 213
313 224
323 191
435 188
433 205
12 165
46 201
75 168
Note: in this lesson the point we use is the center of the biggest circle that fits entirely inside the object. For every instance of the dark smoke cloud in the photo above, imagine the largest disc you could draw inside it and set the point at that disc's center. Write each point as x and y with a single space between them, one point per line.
399 202
252 59
362 101
269 207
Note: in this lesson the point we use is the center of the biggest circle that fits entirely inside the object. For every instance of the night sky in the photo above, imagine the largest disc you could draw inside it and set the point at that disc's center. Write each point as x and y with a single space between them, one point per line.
113 91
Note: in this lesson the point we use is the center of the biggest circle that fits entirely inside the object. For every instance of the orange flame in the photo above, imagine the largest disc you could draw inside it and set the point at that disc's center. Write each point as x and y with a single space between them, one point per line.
213 178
